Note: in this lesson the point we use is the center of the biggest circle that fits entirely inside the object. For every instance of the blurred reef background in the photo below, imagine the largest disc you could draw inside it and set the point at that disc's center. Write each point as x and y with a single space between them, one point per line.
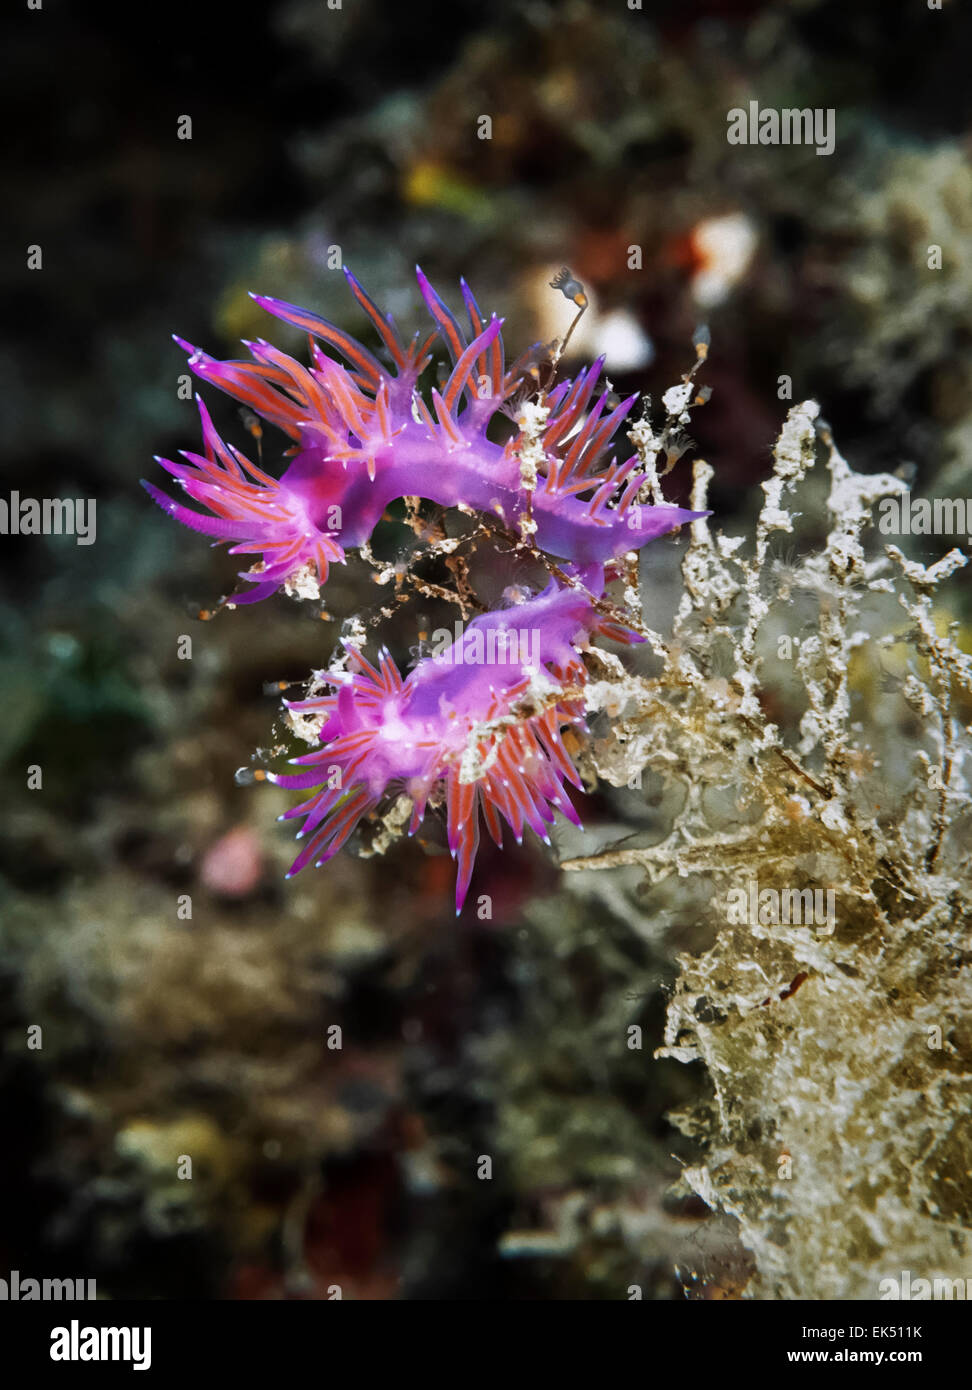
356 128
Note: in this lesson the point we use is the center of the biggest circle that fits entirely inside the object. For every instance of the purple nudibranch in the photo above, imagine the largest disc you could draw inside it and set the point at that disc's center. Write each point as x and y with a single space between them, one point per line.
489 736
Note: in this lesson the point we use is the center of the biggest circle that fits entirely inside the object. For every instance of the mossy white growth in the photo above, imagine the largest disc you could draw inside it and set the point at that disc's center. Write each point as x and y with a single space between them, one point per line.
531 421
303 583
391 827
809 754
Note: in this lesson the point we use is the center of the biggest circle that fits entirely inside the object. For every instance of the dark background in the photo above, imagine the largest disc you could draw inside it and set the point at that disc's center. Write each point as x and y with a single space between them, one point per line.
357 128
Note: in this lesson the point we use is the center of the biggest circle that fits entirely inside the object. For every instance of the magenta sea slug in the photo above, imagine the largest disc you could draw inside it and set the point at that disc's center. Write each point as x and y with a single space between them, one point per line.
479 725
481 721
